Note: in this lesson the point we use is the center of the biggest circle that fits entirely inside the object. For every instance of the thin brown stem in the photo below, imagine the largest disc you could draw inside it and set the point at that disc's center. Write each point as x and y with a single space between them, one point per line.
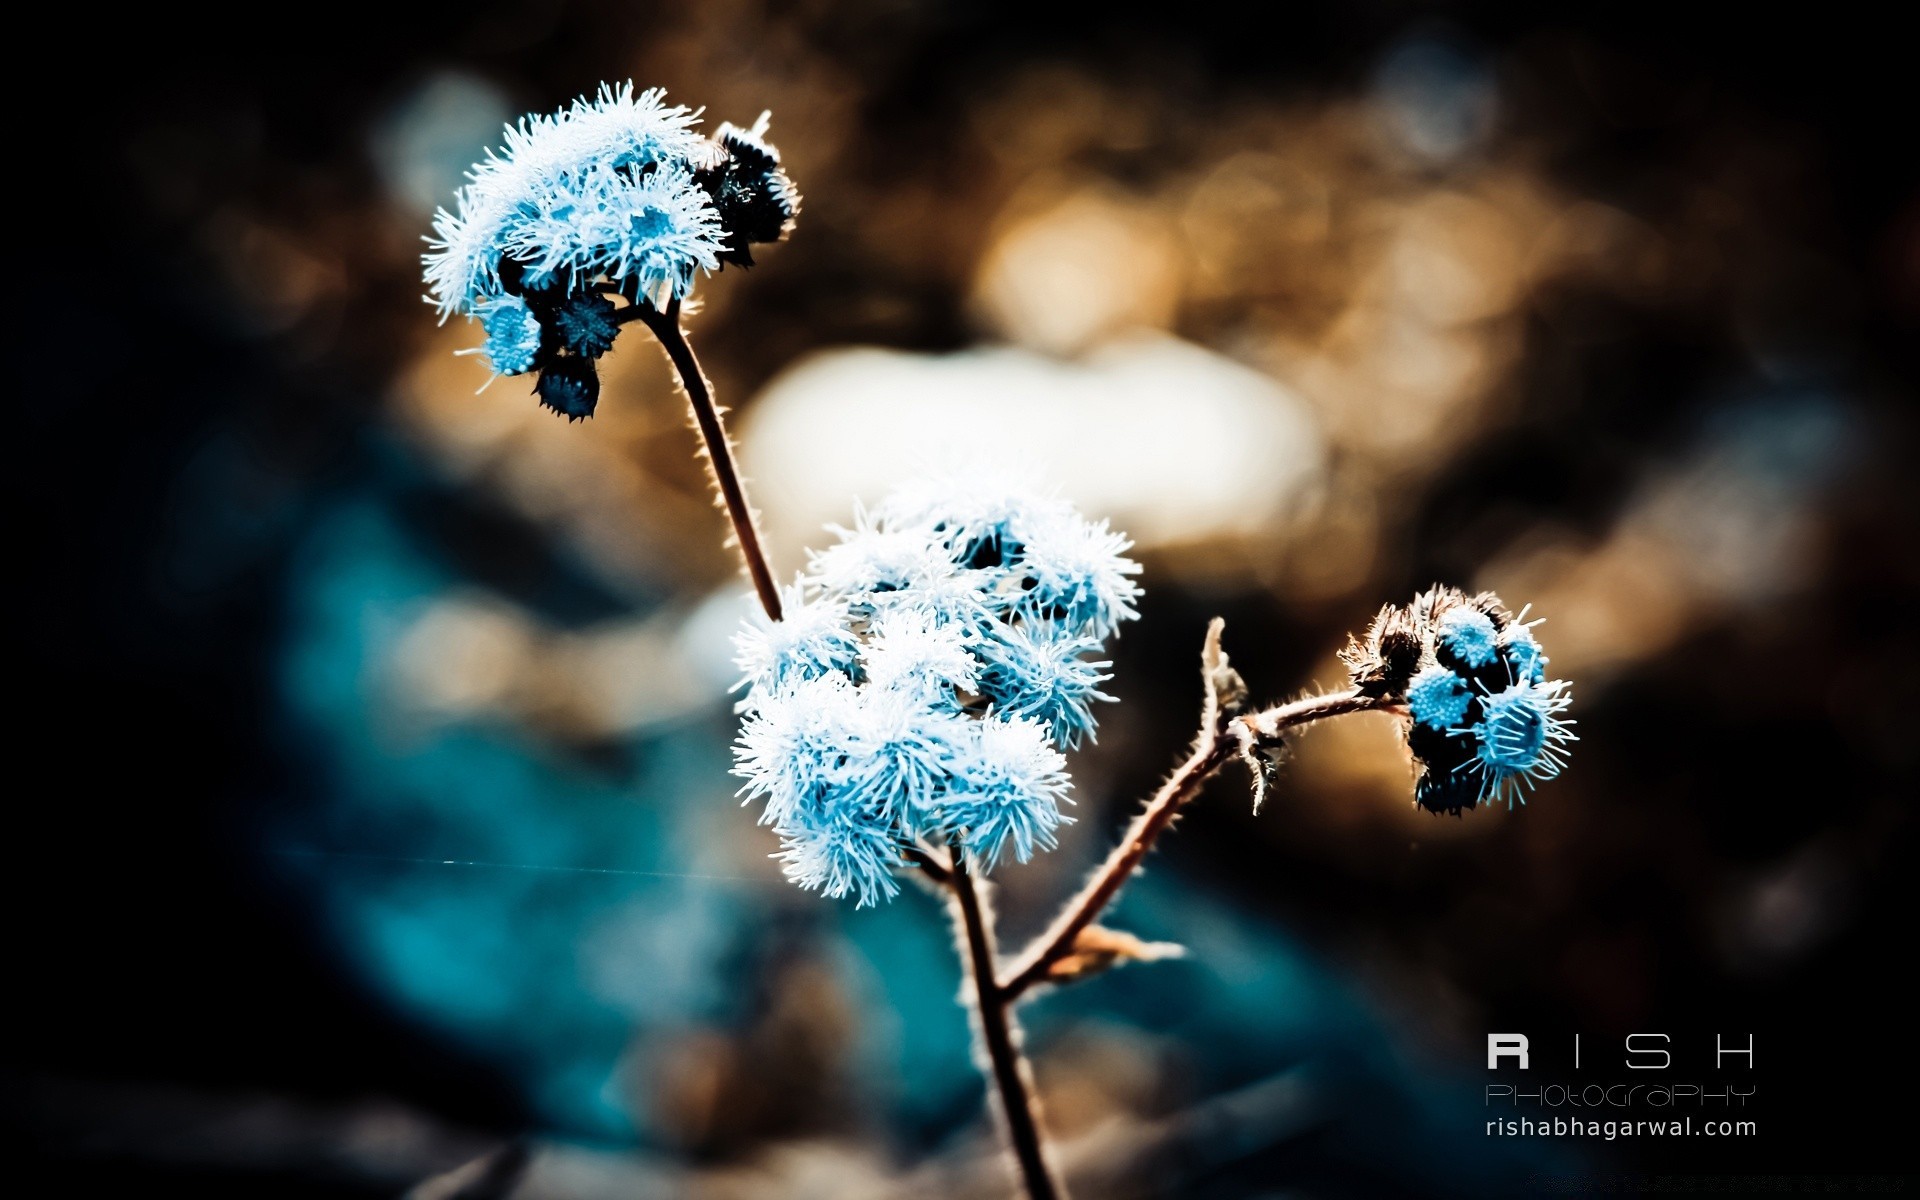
999 1038
666 327
1217 743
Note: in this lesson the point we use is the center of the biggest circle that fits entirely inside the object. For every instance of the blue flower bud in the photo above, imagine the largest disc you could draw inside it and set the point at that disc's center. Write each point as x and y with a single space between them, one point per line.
1469 634
513 334
1438 698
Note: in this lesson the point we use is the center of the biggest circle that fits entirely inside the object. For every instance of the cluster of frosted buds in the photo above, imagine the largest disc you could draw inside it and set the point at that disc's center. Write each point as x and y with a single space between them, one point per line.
929 671
617 196
1484 721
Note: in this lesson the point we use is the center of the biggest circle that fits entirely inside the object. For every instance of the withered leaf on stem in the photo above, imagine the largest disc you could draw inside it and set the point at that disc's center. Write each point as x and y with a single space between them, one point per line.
1097 948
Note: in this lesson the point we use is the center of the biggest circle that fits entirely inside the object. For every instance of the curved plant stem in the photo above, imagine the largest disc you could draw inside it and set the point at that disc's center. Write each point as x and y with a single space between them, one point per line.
1219 741
665 326
999 1038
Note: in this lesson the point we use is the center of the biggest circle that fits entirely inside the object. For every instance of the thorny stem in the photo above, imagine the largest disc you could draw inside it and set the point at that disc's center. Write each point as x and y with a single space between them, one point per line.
665 325
1220 739
997 1036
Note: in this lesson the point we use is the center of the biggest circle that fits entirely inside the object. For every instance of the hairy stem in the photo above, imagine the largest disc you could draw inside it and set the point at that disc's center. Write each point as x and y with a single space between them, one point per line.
999 1038
665 326
1217 743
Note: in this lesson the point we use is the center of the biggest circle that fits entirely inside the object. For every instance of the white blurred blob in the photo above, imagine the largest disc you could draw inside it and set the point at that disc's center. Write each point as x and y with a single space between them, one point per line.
425 143
1434 98
1174 443
706 636
1079 270
469 654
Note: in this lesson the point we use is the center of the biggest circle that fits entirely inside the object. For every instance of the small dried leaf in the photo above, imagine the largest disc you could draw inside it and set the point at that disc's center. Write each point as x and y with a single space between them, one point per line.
1097 948
1226 691
1263 759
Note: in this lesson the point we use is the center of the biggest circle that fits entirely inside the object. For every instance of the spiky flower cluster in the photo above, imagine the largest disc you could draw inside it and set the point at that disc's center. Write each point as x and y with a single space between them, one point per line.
1484 720
613 196
930 669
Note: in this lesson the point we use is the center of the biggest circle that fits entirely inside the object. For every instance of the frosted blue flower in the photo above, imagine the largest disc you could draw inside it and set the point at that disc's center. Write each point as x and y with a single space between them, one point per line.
1469 634
603 186
1076 573
614 196
966 600
1042 672
1438 698
1522 653
825 747
981 522
793 748
585 324
814 638
848 774
646 231
843 858
911 649
928 664
1006 792
513 334
871 557
1519 737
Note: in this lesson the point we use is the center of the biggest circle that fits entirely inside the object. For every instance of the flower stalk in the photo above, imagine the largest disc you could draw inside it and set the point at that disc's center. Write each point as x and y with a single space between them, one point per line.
665 327
999 1036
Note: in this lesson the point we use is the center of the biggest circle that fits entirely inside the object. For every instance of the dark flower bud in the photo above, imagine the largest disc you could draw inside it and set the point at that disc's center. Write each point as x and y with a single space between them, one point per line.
1382 663
1484 721
584 324
756 201
570 386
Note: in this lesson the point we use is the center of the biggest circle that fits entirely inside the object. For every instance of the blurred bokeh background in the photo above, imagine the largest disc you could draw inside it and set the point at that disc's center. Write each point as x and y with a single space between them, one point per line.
371 813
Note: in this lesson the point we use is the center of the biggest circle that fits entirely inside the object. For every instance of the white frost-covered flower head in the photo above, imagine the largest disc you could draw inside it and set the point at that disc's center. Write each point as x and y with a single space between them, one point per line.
617 195
933 665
